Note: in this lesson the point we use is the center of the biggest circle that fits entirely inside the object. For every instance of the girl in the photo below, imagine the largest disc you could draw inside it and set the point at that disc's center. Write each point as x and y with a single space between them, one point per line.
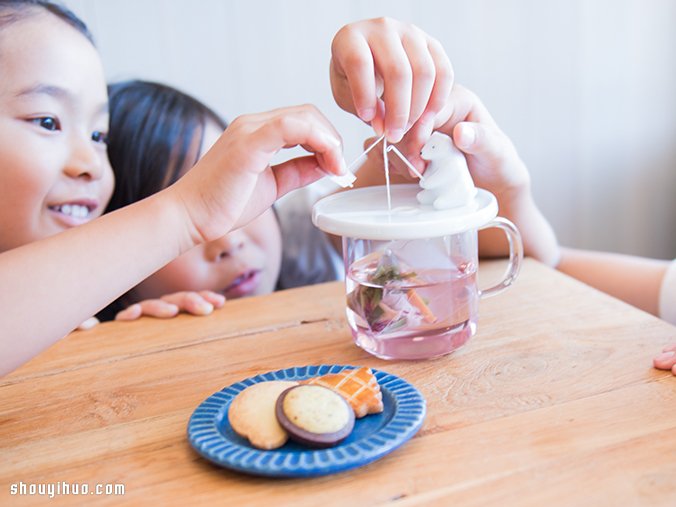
54 175
157 135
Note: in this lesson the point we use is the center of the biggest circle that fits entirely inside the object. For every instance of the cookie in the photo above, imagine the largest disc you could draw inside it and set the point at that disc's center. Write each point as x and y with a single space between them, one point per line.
314 415
358 386
252 414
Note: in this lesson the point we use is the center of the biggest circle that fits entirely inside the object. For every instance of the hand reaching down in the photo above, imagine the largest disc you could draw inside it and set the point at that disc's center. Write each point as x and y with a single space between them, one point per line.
168 306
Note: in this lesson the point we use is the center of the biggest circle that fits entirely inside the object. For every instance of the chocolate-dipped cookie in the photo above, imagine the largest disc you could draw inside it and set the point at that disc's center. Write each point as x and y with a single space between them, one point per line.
314 415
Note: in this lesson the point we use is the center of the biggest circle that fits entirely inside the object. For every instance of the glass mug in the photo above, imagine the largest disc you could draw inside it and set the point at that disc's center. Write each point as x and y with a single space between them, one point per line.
411 294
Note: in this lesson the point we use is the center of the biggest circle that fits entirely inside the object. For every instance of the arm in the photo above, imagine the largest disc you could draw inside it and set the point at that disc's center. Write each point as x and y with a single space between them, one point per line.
69 277
635 280
539 239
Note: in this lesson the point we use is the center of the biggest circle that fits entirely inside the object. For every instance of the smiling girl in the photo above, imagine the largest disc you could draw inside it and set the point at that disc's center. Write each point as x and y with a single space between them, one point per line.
59 263
53 126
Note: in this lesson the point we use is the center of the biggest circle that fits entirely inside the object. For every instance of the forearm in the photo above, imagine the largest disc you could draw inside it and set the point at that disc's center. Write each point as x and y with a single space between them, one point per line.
539 239
635 280
49 287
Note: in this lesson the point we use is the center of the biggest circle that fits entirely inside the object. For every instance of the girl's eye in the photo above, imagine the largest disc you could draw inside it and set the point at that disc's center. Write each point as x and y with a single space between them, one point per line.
100 137
48 123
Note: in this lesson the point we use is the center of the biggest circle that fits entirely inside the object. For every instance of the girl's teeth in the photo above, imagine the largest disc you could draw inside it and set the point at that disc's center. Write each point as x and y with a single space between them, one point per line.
75 210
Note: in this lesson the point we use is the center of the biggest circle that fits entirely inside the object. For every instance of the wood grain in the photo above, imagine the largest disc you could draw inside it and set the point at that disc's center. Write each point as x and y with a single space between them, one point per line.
553 401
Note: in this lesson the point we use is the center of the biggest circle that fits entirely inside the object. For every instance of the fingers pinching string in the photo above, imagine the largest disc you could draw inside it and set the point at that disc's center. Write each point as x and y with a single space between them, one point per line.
387 149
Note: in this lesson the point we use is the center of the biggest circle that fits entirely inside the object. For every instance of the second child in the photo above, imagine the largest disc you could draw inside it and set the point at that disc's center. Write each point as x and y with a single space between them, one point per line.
157 133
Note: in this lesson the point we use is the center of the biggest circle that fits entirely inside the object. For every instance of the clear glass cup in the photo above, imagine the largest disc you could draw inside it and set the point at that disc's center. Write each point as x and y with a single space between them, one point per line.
411 271
418 298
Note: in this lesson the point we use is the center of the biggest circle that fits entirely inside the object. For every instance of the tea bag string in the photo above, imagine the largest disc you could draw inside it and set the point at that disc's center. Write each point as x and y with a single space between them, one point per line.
393 148
389 148
386 149
386 163
365 152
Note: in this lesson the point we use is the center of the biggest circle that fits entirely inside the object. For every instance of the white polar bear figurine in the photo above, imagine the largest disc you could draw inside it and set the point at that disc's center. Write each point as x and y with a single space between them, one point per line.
447 182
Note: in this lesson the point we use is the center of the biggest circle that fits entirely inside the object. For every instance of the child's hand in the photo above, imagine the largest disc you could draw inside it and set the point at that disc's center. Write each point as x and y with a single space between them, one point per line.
194 303
90 323
234 182
492 159
494 165
390 74
667 359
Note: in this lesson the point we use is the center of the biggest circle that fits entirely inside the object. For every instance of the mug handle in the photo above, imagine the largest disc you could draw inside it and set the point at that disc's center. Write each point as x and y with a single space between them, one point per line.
515 256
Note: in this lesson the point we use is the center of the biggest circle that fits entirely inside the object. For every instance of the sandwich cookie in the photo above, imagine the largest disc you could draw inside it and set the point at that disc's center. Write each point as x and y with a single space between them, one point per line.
314 415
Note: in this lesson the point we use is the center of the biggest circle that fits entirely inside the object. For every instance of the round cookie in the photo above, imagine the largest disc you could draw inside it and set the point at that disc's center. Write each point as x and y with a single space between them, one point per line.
252 414
314 415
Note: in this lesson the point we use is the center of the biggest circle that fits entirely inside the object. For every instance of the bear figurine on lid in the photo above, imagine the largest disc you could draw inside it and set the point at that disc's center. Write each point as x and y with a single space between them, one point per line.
447 182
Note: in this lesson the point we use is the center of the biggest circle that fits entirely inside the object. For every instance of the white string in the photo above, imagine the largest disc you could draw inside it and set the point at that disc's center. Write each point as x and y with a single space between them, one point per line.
349 168
387 176
405 161
386 149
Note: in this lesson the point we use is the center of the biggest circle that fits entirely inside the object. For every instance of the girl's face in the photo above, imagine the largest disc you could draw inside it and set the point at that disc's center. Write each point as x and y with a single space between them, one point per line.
54 172
246 262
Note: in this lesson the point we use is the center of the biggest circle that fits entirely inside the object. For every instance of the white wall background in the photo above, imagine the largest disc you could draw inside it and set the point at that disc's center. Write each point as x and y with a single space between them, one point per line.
585 88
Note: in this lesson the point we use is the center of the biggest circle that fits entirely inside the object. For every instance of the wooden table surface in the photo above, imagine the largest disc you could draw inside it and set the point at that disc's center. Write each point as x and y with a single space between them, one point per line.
554 402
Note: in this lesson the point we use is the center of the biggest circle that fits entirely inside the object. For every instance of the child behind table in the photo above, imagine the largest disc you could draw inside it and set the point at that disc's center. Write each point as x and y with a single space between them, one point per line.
157 134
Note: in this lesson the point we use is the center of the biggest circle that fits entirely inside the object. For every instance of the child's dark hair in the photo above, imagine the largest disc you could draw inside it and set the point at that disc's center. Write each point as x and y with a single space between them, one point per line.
12 11
152 130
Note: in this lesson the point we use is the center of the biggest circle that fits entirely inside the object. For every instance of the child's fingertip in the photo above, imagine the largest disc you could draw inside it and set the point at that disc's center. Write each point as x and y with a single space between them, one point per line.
88 324
466 136
133 311
395 135
367 114
344 180
378 125
666 356
665 361
419 164
168 311
130 313
205 308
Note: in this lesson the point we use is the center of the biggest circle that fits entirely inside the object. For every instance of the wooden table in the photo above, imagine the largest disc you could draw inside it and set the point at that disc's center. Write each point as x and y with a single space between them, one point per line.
554 402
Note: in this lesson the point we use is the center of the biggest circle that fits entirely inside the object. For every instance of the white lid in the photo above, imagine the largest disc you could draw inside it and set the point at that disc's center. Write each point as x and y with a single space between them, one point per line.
362 213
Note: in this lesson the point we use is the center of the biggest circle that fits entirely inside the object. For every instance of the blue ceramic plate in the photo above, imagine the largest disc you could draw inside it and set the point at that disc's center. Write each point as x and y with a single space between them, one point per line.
374 436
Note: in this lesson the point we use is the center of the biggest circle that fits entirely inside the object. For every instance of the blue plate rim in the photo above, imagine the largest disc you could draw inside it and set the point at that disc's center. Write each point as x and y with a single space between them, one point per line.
205 437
